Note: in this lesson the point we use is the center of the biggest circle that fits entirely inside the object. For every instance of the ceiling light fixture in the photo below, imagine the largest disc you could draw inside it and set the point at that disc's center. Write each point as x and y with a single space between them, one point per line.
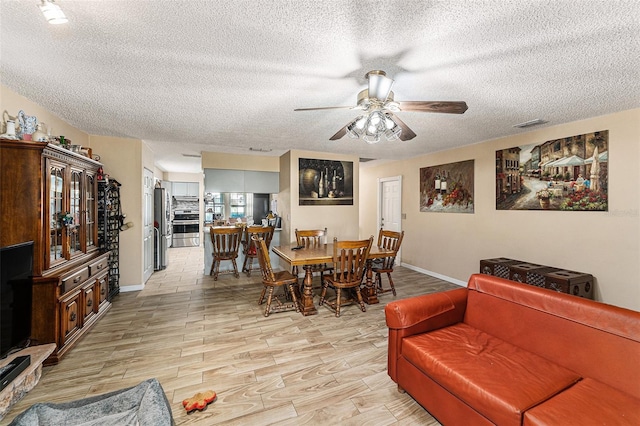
52 12
530 123
374 125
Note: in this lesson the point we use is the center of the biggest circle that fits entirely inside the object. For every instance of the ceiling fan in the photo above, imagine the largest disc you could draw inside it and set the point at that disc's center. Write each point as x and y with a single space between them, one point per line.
379 107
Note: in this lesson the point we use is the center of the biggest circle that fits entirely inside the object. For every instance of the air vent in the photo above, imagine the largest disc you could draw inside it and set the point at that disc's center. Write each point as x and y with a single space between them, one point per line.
192 155
530 123
364 160
260 149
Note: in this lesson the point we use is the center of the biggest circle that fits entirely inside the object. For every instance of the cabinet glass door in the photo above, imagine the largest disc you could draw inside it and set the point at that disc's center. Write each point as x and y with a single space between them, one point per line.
56 187
90 220
75 198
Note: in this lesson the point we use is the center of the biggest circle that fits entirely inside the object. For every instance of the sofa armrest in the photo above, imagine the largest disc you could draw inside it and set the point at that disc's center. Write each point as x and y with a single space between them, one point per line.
421 314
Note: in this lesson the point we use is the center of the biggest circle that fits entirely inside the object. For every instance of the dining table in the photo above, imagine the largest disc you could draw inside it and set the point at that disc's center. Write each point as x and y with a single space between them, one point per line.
306 257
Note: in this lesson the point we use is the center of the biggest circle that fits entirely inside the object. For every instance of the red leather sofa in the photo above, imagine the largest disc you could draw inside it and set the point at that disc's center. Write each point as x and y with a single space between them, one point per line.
505 353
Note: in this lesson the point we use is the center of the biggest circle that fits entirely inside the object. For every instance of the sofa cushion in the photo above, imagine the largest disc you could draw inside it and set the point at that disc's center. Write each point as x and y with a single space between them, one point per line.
499 380
587 402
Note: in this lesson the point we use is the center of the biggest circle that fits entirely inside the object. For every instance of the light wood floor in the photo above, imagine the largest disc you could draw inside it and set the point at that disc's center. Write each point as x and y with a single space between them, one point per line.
194 334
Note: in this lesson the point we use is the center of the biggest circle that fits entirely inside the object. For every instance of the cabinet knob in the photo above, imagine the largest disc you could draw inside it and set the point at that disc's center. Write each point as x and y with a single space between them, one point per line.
72 317
77 279
90 302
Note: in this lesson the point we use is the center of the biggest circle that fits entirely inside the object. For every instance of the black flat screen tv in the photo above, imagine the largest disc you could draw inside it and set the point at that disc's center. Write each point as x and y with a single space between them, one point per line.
16 271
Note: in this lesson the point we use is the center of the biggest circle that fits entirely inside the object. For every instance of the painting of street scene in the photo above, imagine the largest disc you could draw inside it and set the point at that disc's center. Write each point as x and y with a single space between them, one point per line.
561 174
447 188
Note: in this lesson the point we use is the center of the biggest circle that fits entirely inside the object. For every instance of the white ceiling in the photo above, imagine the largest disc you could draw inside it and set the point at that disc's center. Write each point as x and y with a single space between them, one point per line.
192 76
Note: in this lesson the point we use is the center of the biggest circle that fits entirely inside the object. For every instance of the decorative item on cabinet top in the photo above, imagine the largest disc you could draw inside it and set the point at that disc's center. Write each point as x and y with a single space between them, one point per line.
28 125
9 124
40 135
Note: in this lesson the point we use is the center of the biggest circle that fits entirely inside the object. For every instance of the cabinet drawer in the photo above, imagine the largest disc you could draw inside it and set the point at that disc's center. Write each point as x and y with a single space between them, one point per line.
99 266
71 281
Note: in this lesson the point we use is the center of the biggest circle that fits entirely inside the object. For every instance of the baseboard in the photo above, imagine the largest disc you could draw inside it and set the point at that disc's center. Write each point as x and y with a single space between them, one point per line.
129 288
435 274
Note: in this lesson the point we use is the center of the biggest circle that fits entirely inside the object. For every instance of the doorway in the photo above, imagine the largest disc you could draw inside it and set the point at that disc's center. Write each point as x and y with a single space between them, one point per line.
147 219
390 205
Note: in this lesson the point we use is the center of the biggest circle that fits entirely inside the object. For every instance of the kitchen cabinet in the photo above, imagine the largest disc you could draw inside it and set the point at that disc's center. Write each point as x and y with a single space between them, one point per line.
49 196
219 180
185 189
261 182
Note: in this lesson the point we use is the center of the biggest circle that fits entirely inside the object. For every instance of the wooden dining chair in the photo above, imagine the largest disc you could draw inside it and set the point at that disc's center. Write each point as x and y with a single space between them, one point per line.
249 248
312 238
271 280
226 242
349 267
390 240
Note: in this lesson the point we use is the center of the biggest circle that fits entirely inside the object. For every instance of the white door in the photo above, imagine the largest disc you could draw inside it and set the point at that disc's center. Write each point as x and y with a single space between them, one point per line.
390 208
148 224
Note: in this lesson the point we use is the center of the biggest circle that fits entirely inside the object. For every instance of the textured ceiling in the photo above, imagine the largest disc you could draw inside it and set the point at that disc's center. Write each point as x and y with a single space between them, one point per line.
192 76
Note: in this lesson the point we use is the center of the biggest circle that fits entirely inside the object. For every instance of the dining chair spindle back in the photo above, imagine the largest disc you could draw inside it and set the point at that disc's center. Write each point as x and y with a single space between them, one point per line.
249 248
226 242
312 238
271 280
390 240
349 267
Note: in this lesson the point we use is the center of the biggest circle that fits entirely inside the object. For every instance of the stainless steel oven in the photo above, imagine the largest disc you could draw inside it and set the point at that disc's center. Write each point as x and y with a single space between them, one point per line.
186 228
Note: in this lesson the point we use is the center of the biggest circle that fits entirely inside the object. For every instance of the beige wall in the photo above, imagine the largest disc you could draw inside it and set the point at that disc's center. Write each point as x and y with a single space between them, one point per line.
123 160
341 221
605 244
260 163
12 103
284 197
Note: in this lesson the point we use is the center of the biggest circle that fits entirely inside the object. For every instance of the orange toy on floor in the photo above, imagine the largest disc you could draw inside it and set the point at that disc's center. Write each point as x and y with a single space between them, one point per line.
199 401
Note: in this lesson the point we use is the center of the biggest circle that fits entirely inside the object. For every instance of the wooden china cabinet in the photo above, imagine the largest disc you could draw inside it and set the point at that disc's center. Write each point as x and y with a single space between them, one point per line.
48 195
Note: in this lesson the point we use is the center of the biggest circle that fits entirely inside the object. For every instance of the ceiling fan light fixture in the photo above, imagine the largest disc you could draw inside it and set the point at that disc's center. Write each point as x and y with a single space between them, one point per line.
371 139
374 118
52 12
388 122
352 130
393 134
390 105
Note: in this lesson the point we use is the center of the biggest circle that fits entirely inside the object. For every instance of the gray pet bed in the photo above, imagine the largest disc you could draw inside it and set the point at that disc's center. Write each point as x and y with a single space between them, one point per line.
144 404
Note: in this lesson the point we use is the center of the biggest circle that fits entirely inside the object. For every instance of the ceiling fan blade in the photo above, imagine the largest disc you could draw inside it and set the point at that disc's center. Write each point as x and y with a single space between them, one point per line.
434 106
314 109
340 133
407 133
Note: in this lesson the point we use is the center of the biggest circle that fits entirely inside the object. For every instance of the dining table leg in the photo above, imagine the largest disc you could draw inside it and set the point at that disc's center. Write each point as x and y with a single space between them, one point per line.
369 293
306 300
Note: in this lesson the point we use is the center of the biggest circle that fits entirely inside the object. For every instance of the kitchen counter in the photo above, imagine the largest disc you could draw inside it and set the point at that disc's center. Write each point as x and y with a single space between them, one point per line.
226 265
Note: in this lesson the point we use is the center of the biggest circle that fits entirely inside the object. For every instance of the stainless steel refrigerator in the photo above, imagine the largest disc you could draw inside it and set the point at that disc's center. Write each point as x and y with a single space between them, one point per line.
162 227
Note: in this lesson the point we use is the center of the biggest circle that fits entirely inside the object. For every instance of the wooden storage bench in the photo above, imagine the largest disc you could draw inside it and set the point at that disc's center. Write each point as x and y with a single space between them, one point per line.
549 277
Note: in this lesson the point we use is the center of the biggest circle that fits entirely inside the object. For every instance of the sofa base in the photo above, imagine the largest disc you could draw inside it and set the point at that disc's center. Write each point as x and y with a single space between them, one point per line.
444 406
